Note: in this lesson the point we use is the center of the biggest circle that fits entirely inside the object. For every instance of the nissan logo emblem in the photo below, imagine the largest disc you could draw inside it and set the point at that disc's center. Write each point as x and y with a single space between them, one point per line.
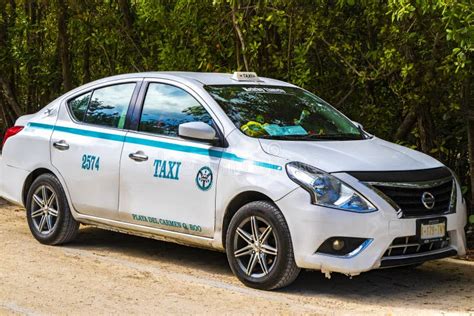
428 200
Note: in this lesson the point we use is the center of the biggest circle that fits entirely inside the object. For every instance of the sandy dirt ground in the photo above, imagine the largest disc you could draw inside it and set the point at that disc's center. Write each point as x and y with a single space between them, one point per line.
108 273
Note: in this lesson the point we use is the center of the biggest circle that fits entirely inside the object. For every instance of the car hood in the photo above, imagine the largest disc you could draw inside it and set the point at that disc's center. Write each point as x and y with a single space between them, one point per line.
358 155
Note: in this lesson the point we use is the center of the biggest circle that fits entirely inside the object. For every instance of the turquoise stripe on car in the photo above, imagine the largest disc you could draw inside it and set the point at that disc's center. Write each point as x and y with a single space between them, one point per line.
87 133
155 143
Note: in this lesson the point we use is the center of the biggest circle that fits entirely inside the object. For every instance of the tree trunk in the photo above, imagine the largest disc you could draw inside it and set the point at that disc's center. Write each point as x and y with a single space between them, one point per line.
31 42
468 111
470 137
7 119
10 96
238 31
63 45
86 63
11 107
86 54
407 125
129 20
127 14
425 127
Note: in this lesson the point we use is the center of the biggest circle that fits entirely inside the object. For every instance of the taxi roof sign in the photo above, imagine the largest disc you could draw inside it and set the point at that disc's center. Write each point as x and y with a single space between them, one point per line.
245 76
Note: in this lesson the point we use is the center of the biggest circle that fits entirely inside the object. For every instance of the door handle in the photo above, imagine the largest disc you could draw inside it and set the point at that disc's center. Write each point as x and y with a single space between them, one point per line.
138 156
61 145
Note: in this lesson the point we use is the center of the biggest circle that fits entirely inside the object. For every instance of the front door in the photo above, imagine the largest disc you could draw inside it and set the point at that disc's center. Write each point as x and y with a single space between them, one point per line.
168 182
86 147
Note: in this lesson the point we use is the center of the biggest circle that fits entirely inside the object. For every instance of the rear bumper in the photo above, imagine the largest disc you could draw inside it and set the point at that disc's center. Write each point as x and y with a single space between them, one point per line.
11 183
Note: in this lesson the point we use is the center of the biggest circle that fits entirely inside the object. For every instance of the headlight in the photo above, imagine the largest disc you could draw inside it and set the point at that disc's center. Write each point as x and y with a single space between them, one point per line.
327 190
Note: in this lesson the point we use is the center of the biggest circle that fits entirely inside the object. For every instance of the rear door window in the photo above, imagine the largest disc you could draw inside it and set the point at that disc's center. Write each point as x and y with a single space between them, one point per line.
108 106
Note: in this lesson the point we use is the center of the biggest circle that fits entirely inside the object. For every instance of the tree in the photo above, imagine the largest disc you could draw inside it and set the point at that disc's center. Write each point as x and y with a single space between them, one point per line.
63 44
403 68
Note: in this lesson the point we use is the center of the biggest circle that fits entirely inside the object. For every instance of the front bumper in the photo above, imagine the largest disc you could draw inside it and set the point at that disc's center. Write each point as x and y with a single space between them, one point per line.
311 225
403 260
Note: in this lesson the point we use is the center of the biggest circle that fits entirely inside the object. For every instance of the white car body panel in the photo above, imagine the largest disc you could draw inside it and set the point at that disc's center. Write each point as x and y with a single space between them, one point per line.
17 159
12 186
125 195
372 154
100 196
174 200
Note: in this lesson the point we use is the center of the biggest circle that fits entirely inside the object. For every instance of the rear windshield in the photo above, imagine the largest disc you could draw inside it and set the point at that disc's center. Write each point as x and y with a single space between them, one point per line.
283 113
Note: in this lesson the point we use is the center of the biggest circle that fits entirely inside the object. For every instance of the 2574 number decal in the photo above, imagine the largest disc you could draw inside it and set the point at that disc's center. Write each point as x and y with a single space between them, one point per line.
90 162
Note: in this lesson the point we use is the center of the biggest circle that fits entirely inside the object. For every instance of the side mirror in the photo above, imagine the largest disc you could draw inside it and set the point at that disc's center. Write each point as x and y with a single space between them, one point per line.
197 131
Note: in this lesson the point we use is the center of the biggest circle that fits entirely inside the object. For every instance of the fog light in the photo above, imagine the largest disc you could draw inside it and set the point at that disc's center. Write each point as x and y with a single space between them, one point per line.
338 244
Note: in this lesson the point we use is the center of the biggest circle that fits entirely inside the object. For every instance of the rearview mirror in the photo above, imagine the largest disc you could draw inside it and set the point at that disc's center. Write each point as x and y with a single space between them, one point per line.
197 130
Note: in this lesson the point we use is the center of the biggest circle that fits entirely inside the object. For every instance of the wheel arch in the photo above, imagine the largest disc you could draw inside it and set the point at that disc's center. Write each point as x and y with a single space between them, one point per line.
29 181
236 203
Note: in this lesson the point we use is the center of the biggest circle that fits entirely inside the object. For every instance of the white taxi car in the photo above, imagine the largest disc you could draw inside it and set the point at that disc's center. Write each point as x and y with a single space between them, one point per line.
257 167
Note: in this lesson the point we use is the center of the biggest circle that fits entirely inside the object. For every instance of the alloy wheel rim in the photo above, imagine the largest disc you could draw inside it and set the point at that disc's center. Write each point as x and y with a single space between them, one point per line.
44 209
255 247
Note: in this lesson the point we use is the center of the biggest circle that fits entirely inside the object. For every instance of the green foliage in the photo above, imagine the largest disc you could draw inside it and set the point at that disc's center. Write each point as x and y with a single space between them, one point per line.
403 68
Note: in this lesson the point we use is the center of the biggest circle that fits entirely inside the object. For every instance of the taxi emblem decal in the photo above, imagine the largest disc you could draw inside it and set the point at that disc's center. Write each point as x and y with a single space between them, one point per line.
204 178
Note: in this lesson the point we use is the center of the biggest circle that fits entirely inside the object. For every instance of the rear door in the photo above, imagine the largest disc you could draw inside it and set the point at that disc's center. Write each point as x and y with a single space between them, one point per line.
166 181
87 143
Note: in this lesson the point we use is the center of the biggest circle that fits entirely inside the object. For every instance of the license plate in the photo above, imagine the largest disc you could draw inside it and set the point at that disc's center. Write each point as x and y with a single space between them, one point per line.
431 229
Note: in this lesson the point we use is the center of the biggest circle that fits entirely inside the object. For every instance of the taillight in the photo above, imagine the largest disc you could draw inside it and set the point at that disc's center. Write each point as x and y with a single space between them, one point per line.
11 132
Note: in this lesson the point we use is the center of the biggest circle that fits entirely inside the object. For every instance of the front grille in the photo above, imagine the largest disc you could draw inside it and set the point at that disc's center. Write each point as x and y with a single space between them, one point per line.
407 197
408 251
410 245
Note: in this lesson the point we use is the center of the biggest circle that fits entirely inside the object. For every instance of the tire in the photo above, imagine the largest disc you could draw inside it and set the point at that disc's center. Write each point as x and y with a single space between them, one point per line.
268 264
50 222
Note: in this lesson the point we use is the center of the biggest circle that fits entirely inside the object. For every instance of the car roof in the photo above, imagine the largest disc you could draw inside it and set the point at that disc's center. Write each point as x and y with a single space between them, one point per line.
204 78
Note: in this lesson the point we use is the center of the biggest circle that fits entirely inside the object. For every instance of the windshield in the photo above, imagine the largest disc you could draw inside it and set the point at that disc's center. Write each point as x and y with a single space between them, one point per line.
283 113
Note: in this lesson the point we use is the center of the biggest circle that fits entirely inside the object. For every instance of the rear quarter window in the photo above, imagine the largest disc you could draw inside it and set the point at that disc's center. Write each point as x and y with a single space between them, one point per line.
78 106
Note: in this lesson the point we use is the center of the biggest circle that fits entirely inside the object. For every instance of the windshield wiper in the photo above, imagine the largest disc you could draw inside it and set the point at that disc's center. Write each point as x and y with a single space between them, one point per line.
333 137
281 137
313 137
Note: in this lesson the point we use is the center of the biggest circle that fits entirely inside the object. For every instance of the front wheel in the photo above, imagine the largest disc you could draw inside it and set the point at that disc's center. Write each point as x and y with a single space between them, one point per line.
47 212
259 248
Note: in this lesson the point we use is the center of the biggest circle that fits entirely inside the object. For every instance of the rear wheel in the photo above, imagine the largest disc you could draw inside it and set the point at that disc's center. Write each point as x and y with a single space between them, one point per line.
47 212
259 248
